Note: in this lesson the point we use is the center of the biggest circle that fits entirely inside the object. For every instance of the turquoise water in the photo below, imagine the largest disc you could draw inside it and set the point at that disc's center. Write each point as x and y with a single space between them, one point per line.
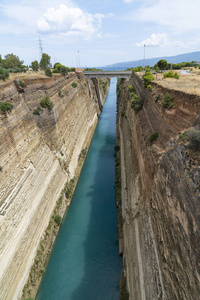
84 264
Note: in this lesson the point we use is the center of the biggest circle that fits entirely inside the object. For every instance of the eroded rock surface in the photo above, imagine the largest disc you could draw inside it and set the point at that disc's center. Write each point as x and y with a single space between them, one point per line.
38 155
160 195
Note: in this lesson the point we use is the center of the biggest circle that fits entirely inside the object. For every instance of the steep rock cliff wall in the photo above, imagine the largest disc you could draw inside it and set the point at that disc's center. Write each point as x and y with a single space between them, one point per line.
38 155
160 196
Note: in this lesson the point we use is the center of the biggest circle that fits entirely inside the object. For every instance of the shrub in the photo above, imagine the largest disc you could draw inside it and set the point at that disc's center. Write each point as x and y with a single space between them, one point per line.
152 137
69 188
60 93
85 84
46 102
37 111
74 84
3 74
119 87
131 88
194 138
123 113
83 154
171 75
17 70
167 101
183 137
6 107
117 148
66 93
21 83
56 71
158 98
149 87
176 76
136 103
147 78
1 168
58 220
48 72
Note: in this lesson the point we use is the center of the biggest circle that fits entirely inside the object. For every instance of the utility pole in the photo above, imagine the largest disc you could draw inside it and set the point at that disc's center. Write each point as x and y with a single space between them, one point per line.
144 58
40 48
79 66
76 64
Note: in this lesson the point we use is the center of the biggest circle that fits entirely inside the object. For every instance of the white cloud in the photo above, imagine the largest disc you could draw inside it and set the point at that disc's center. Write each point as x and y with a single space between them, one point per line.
179 15
68 21
156 39
128 1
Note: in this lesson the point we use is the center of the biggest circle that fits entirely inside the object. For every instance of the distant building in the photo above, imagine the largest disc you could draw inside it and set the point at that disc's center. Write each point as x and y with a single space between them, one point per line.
185 72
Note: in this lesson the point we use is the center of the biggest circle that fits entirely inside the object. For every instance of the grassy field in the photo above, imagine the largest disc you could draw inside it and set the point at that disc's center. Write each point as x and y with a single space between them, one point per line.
188 83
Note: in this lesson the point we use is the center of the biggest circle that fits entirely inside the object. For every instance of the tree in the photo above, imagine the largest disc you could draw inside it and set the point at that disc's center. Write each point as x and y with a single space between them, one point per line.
57 66
64 70
35 65
45 61
162 64
48 72
12 61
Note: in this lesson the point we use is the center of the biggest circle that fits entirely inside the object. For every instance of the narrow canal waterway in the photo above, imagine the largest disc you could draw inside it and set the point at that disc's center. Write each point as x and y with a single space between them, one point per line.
84 264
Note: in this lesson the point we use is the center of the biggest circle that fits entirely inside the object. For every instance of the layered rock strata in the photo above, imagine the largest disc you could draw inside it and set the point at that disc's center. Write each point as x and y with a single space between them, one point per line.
38 155
160 195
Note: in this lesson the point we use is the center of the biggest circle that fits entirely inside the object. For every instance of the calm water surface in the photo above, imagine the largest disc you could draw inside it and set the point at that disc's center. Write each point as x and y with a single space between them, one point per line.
84 264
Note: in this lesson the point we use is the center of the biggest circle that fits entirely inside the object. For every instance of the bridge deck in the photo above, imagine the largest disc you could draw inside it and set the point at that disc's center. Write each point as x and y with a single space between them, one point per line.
107 74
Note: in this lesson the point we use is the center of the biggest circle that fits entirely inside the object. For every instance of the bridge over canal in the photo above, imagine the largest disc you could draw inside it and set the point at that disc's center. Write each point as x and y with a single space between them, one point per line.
107 74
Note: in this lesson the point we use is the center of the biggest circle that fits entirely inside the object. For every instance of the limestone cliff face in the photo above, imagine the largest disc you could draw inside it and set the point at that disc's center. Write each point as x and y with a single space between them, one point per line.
160 196
38 155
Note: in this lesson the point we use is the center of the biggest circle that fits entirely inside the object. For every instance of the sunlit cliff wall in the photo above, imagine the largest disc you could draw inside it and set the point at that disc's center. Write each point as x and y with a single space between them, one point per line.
38 155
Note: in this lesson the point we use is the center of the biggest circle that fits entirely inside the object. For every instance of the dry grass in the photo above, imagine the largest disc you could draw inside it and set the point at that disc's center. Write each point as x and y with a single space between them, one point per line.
188 83
29 74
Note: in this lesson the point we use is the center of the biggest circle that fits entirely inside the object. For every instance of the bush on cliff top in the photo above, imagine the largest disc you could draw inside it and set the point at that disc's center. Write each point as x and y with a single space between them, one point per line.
3 74
147 78
171 74
6 107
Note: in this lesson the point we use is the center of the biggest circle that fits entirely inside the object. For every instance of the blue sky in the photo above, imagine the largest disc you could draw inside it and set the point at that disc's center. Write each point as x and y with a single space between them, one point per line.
103 31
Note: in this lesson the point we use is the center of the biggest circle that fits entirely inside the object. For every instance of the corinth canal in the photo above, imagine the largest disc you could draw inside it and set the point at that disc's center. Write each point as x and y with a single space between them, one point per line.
85 264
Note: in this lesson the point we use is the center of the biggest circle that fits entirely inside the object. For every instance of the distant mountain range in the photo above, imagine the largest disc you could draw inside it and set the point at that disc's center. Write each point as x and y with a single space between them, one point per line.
187 57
